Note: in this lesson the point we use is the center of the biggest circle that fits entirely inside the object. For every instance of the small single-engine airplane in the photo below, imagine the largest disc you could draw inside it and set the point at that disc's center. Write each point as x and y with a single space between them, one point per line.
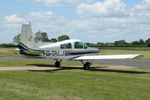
72 50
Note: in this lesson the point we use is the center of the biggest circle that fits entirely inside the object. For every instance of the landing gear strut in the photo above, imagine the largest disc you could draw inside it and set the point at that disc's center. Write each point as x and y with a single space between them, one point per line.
57 63
86 65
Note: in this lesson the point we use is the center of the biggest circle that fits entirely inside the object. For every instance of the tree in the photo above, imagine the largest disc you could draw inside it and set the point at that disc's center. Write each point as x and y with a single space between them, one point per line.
148 42
37 36
109 44
41 37
100 44
44 37
120 43
90 44
63 37
52 40
135 43
16 38
141 42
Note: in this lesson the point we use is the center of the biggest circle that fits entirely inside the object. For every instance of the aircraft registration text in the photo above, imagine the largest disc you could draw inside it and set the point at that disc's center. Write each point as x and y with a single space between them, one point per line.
54 53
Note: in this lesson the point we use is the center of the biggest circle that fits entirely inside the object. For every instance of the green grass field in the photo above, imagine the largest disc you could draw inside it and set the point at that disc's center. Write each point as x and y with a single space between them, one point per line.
6 52
115 84
126 48
74 84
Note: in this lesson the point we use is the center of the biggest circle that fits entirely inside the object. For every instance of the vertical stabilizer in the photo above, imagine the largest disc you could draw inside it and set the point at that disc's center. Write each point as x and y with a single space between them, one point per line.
27 35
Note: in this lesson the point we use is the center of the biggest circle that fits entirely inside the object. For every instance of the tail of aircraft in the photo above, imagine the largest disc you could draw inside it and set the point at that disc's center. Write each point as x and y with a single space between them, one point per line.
27 43
27 36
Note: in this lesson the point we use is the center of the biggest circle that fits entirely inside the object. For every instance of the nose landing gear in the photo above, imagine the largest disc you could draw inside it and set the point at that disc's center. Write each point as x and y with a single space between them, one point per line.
57 63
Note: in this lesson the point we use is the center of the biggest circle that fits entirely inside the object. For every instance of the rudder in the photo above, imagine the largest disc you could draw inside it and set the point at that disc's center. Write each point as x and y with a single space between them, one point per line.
27 35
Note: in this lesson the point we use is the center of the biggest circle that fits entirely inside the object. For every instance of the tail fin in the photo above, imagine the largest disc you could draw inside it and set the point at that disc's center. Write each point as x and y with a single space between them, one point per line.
27 36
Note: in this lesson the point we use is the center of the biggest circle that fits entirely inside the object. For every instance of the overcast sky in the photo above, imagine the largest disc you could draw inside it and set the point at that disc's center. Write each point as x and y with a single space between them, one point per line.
87 20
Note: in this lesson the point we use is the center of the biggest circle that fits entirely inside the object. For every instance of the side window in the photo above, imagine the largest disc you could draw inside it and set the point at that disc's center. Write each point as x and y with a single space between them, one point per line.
78 45
65 46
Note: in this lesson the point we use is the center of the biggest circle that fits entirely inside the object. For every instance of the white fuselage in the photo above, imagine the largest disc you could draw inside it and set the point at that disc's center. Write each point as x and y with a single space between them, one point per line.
65 50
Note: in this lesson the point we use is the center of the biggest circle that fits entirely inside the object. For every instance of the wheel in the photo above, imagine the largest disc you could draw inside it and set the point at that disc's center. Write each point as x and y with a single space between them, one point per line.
86 66
57 64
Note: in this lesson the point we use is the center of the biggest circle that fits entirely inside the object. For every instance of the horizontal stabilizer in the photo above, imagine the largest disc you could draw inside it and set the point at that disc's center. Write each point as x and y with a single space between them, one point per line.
128 56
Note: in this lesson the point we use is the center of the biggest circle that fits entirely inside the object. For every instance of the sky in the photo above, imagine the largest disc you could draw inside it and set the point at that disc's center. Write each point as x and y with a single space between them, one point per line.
87 20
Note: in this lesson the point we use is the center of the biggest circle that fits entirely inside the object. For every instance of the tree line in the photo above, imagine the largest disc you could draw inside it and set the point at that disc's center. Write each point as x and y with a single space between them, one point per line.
122 43
43 37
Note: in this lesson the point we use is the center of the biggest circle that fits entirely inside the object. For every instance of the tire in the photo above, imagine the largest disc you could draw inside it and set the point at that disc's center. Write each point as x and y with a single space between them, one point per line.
57 64
86 66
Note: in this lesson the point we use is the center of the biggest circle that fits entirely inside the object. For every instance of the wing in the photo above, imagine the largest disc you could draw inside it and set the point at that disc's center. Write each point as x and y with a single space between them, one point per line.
128 56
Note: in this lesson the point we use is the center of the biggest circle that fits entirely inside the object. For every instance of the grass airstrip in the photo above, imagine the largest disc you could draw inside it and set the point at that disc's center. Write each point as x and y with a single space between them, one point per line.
7 52
73 84
76 84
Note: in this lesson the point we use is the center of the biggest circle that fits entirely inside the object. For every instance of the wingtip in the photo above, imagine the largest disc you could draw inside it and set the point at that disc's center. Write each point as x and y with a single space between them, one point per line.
139 56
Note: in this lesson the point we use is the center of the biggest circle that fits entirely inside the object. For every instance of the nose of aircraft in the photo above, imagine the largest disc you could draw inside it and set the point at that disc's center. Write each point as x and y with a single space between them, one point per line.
93 49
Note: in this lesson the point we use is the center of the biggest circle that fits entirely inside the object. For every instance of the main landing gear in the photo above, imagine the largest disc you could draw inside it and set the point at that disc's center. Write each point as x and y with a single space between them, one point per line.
86 65
57 63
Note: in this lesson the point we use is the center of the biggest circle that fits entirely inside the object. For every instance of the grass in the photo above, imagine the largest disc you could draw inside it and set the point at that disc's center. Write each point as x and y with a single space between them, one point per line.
42 63
74 84
6 52
126 48
116 84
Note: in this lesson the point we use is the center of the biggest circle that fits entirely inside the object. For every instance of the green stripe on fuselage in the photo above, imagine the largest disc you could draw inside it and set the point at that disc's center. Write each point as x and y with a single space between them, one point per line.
38 51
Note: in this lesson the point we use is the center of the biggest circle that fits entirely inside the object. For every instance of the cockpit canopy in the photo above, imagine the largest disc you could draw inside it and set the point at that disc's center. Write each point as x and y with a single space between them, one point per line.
75 45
